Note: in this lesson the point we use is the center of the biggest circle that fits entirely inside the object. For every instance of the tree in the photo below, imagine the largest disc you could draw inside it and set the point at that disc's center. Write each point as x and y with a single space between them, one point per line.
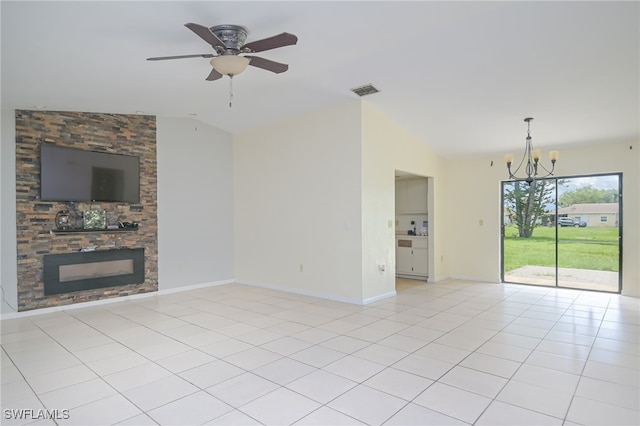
525 203
588 194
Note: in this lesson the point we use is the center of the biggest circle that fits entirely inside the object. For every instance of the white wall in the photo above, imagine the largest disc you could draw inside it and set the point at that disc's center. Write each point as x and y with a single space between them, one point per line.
475 188
8 246
195 203
297 202
386 148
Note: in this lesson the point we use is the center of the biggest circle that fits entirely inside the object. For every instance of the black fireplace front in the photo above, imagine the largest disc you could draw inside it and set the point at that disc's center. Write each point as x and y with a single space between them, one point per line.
69 272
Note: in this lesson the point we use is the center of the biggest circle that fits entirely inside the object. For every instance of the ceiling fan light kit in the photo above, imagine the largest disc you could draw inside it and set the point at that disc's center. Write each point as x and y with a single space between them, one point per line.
228 43
230 64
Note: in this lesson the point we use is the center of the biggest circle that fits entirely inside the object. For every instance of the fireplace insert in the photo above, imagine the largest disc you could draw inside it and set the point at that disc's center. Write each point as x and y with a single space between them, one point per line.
78 271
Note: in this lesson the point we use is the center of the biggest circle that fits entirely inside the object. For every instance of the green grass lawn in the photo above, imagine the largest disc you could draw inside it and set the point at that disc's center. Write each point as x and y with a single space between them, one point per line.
582 248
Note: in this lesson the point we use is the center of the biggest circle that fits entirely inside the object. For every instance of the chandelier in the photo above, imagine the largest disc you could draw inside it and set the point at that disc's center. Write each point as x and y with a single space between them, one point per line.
531 160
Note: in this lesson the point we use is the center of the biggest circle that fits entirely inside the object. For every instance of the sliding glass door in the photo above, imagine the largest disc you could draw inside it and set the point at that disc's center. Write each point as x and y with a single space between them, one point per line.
563 232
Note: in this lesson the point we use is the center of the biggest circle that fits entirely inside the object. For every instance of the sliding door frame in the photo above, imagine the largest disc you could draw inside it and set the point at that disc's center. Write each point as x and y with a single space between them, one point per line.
556 179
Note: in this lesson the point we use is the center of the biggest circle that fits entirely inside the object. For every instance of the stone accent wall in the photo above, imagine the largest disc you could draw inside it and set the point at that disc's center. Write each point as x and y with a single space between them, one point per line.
112 133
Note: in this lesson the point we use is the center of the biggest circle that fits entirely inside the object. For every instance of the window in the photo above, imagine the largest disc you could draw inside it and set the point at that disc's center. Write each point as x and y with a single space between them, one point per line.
604 219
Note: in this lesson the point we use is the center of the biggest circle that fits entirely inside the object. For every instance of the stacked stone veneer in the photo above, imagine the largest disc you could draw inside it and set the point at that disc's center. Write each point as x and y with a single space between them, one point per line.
112 133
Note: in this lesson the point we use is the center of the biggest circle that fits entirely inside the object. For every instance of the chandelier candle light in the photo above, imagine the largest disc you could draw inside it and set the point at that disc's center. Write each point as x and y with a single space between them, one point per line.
532 157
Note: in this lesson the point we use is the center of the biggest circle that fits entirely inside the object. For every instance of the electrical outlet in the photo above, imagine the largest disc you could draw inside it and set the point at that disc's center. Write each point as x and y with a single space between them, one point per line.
301 269
390 223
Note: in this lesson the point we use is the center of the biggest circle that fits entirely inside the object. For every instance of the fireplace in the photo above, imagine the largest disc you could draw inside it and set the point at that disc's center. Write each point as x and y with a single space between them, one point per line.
66 273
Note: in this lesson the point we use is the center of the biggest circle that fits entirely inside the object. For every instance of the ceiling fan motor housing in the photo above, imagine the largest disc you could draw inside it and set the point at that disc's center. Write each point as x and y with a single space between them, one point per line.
233 36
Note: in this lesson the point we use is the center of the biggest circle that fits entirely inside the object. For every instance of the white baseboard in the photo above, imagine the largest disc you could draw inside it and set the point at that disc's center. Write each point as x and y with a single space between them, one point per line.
80 305
302 292
195 286
476 279
628 293
378 297
320 295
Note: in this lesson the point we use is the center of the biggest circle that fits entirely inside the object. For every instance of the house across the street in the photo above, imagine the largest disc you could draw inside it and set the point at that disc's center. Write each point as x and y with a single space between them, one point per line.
594 214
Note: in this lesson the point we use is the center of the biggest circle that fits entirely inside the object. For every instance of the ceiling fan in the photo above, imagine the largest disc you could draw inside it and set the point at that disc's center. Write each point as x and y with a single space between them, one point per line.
230 50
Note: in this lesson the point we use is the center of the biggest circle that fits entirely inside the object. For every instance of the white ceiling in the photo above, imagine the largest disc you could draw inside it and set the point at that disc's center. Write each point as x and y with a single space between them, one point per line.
460 76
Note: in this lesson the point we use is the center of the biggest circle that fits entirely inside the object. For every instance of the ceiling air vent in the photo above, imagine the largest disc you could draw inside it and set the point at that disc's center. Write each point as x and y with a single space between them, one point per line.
367 89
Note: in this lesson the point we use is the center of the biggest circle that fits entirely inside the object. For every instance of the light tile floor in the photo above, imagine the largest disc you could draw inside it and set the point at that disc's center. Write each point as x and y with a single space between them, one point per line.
451 353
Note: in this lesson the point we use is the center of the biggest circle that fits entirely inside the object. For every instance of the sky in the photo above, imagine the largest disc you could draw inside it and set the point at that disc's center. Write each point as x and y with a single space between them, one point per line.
599 182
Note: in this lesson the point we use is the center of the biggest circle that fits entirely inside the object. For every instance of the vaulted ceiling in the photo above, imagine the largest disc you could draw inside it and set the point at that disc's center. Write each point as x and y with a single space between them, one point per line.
460 76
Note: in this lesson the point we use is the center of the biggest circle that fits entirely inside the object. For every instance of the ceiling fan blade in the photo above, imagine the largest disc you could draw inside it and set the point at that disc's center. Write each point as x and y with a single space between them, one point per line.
201 55
213 75
284 39
206 34
267 64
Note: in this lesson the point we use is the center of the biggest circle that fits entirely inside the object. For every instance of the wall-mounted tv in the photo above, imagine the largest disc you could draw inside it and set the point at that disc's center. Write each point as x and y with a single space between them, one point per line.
71 174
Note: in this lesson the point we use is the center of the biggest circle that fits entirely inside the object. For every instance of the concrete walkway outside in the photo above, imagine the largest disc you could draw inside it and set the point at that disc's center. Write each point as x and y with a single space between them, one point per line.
567 277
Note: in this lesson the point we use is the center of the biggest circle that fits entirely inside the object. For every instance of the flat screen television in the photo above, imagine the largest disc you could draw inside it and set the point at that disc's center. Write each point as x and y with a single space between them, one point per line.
71 174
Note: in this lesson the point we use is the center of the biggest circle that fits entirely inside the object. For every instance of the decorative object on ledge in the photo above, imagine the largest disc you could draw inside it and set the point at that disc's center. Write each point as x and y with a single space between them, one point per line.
95 219
63 221
532 158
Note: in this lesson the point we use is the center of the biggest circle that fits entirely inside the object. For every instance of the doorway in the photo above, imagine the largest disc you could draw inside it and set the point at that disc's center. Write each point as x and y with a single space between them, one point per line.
413 205
563 232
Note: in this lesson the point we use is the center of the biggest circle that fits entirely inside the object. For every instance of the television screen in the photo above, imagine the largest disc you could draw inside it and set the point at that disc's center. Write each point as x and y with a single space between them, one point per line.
70 174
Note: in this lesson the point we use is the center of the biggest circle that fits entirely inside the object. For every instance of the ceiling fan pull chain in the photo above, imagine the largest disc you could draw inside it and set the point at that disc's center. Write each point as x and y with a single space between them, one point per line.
230 89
